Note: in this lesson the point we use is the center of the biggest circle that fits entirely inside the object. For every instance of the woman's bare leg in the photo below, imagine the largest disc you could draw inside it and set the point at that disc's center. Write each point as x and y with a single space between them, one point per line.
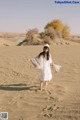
41 85
46 83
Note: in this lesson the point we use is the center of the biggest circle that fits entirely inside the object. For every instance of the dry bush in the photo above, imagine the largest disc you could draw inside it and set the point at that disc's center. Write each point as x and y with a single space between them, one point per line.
46 40
56 24
66 32
59 29
32 38
31 32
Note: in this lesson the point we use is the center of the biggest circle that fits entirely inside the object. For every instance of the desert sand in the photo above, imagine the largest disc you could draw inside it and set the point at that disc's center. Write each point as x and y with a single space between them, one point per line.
19 84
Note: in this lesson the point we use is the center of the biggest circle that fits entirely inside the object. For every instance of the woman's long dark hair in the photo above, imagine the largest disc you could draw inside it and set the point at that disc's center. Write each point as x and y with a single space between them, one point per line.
45 54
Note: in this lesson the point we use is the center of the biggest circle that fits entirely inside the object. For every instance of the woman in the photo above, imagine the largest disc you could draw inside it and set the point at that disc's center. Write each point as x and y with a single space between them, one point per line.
45 62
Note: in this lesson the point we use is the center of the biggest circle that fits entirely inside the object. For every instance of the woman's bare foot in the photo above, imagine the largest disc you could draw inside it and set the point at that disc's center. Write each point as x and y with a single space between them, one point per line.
46 83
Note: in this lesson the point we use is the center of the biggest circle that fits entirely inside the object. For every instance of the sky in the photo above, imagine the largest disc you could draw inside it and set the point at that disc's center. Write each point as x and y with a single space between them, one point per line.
21 15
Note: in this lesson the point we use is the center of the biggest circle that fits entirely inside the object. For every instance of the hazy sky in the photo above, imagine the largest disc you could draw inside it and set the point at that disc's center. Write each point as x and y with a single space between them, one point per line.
20 15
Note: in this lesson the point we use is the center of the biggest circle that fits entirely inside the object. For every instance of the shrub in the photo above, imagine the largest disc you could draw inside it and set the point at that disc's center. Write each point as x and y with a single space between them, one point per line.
56 24
66 32
30 34
57 29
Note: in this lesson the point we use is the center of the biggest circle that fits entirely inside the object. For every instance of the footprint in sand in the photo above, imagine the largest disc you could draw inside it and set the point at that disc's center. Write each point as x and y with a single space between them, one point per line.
48 115
47 108
21 118
50 108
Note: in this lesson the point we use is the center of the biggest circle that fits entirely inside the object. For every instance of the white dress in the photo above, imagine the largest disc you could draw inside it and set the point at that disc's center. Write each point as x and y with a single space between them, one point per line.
46 74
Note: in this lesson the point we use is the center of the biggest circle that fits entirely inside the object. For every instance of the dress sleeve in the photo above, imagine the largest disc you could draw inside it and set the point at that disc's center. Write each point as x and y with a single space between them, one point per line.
41 61
51 61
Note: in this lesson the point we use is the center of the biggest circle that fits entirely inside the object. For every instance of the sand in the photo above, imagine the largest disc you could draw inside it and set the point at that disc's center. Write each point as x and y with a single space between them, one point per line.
19 84
7 42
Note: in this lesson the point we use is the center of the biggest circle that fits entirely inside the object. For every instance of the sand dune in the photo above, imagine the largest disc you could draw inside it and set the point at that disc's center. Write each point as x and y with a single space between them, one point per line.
7 42
19 84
